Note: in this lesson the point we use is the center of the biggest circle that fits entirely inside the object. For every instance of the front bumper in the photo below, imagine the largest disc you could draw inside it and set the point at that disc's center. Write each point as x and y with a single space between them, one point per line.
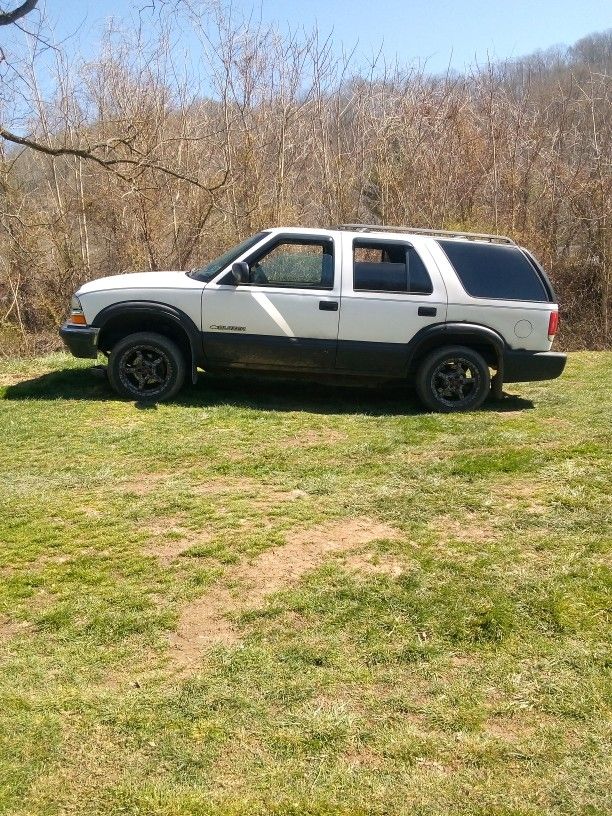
530 366
82 341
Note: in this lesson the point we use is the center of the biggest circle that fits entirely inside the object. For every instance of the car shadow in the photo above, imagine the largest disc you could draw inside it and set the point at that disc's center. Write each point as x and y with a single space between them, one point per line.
261 393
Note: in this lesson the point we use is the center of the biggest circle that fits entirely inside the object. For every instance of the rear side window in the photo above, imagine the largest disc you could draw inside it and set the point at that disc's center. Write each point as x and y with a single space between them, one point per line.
494 271
386 267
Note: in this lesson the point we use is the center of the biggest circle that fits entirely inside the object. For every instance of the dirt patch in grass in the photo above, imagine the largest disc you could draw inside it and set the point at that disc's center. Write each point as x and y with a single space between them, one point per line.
45 559
218 486
170 539
145 483
508 729
168 525
373 564
311 438
463 661
168 551
92 512
519 726
9 628
521 494
205 622
364 757
279 496
465 527
262 495
239 487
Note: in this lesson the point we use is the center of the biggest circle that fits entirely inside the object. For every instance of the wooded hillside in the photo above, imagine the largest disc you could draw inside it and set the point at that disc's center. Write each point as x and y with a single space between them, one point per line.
150 164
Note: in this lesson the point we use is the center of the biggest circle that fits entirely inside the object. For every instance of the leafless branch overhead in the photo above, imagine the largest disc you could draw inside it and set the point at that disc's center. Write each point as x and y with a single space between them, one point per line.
8 17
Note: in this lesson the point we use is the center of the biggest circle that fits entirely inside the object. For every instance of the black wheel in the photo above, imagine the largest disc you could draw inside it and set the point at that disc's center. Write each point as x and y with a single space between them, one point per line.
454 378
146 367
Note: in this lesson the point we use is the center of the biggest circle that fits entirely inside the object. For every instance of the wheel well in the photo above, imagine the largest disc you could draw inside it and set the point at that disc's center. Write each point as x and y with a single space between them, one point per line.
483 346
118 327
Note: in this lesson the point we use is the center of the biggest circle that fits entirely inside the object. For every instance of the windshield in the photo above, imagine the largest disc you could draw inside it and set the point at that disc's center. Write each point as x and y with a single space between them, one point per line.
207 273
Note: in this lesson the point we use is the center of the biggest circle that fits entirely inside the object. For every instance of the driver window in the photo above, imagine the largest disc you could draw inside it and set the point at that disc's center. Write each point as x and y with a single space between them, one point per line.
297 264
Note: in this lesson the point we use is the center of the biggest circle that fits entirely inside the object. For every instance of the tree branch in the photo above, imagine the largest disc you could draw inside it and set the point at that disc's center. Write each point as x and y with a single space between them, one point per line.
108 163
8 17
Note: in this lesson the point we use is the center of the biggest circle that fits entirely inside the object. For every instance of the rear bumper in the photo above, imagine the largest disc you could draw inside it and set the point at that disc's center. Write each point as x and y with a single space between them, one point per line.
82 341
530 366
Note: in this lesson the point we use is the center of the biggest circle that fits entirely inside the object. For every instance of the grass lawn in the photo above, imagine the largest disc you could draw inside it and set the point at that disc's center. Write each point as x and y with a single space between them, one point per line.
277 598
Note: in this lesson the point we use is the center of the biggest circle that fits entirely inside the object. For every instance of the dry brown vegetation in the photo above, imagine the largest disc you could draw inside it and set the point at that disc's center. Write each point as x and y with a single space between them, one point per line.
144 162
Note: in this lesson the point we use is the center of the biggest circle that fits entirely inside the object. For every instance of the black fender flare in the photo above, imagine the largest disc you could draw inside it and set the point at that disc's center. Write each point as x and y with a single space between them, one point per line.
151 308
432 336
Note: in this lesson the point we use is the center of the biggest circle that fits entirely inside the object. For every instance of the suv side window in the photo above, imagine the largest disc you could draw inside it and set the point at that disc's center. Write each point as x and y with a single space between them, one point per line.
380 266
495 271
296 263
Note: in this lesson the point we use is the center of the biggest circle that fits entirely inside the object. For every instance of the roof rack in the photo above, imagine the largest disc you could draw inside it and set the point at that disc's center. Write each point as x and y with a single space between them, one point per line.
472 236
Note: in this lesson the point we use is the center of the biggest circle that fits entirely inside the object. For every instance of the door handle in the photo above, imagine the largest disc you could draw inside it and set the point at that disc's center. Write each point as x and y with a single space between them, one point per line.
328 305
427 311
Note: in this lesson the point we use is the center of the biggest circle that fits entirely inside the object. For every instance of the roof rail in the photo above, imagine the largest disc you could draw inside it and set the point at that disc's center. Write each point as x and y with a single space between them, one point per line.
472 236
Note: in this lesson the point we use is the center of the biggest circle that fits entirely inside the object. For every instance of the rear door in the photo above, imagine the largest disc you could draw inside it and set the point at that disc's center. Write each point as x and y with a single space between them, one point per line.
285 316
391 290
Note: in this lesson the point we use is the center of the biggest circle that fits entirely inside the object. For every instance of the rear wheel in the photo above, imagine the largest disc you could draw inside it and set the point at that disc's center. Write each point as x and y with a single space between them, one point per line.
146 367
455 378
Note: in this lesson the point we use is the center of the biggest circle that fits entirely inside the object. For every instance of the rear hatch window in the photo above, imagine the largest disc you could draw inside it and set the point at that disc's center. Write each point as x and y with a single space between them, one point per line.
496 271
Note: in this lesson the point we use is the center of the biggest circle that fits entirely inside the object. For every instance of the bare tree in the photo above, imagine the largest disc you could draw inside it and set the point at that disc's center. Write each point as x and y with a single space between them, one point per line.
132 159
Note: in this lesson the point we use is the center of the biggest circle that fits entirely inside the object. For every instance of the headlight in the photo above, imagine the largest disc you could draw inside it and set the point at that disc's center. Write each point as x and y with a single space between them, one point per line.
76 312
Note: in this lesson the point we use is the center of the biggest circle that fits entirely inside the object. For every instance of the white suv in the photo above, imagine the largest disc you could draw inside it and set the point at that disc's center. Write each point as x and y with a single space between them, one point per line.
441 309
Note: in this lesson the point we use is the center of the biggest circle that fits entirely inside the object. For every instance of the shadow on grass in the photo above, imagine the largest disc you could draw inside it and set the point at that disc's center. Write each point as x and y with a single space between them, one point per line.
263 394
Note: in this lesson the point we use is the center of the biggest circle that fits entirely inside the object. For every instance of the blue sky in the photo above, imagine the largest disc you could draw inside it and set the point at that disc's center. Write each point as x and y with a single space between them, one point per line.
440 32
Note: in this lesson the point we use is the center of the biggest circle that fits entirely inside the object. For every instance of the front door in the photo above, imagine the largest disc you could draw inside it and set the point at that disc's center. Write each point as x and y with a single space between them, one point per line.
285 316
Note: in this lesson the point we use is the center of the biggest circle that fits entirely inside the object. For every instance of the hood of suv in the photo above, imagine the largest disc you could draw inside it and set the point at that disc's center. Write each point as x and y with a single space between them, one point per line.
141 280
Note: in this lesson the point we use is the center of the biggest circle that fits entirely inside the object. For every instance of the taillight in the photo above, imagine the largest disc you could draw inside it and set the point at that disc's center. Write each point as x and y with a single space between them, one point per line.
553 325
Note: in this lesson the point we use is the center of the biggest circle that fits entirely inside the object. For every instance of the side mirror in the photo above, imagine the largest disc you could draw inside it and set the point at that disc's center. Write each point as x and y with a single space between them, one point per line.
240 272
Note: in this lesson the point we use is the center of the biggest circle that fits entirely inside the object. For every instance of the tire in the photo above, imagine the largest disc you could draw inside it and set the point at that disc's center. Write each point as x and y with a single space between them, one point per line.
146 367
454 378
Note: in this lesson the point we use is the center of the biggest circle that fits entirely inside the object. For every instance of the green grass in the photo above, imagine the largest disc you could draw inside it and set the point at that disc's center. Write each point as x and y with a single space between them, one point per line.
473 681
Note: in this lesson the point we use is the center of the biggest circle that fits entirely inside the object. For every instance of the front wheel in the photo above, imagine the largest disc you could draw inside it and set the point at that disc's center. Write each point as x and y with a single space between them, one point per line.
146 367
454 378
